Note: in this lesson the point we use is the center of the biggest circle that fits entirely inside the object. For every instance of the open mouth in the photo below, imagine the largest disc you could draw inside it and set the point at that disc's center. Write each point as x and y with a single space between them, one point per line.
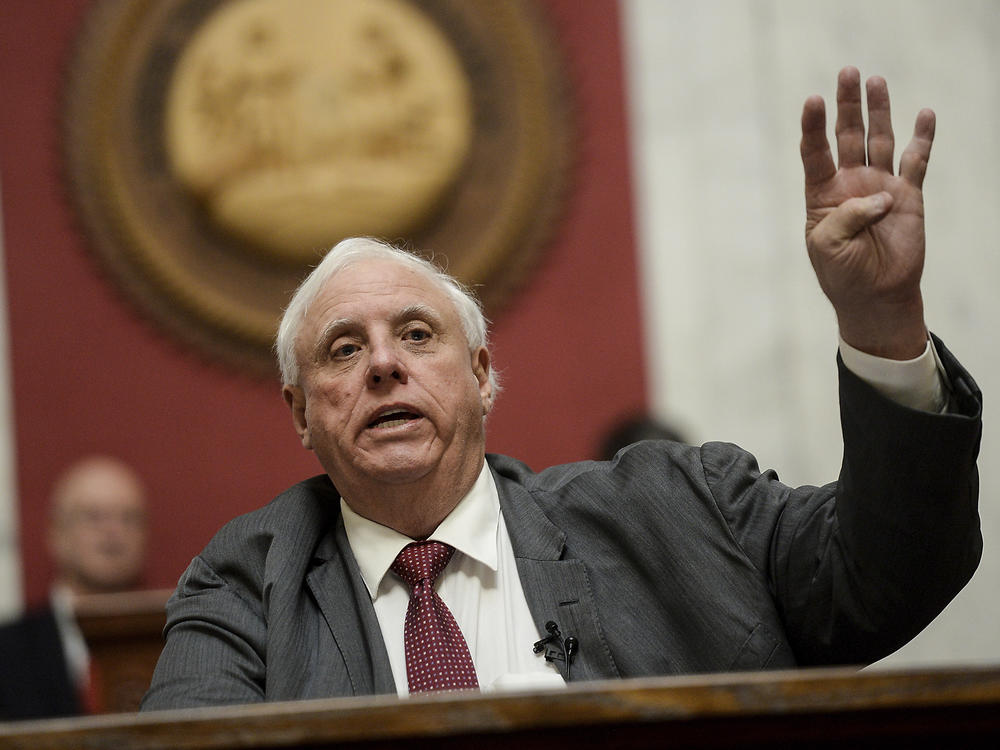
392 418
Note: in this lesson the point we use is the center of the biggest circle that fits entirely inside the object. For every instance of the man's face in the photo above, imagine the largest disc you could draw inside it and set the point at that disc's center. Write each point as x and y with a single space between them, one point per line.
98 537
389 392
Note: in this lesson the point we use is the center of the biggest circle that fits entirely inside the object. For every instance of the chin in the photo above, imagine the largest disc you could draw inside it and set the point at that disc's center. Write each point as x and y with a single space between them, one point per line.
399 467
399 474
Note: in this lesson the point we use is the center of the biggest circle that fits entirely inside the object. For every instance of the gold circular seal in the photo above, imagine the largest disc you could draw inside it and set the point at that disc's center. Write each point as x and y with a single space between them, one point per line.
216 148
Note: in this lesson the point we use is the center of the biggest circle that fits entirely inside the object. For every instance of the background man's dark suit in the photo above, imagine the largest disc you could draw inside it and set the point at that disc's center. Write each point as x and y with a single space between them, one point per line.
35 678
668 560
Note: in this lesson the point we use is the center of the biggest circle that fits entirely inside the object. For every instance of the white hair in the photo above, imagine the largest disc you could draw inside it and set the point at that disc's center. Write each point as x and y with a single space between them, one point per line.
357 249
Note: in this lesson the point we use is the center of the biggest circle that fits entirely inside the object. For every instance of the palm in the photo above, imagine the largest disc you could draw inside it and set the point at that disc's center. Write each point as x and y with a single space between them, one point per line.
885 256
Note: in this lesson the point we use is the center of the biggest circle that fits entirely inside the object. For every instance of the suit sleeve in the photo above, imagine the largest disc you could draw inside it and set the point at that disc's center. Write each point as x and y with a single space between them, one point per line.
215 645
859 567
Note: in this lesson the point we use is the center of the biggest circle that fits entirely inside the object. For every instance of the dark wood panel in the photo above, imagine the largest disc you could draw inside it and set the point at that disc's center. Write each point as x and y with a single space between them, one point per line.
124 633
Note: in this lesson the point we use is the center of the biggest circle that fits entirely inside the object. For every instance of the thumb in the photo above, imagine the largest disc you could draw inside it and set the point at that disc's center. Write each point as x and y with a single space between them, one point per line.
856 214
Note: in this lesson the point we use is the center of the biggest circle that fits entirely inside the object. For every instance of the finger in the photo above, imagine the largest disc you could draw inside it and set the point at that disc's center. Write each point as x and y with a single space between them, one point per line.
913 162
880 138
849 218
817 161
850 127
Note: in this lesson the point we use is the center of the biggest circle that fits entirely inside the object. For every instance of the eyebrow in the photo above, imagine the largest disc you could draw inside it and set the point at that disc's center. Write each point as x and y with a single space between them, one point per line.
411 312
327 335
420 312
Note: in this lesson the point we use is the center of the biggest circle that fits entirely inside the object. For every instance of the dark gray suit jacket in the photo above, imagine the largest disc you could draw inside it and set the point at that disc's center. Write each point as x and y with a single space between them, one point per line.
670 559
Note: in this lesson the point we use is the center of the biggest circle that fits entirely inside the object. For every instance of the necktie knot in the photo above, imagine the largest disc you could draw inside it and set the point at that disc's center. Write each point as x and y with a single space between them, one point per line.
422 561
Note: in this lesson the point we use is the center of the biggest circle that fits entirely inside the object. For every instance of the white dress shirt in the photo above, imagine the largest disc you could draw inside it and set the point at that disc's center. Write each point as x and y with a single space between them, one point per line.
918 383
481 586
74 646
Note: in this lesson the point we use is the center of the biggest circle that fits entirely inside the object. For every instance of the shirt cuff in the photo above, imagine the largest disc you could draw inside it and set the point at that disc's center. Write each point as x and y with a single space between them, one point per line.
916 383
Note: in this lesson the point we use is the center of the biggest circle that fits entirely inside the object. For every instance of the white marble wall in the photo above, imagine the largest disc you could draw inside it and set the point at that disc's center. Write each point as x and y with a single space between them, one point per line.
741 340
10 561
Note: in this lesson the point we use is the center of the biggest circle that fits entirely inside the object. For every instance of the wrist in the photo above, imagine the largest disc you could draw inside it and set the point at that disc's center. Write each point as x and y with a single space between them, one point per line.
891 334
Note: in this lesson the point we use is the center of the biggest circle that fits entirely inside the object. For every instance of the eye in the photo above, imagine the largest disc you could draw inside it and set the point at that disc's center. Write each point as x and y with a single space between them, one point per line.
417 334
345 350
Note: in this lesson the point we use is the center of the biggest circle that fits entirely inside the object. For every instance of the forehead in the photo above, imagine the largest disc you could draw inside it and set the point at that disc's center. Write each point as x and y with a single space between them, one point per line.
101 486
376 290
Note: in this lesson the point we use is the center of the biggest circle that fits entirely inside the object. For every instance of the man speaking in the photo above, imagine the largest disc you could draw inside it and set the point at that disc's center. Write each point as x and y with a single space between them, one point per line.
417 562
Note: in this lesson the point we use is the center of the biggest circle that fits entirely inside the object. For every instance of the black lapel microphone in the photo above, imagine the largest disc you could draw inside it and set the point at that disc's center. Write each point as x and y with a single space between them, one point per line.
557 649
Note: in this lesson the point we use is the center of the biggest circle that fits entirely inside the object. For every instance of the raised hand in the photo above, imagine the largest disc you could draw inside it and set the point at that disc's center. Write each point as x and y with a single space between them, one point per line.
865 224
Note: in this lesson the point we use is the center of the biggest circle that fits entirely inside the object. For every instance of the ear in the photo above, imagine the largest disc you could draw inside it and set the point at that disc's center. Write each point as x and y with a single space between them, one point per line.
295 397
481 369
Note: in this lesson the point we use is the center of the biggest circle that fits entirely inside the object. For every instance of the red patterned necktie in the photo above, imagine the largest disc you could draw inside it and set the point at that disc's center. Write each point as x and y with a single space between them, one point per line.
437 656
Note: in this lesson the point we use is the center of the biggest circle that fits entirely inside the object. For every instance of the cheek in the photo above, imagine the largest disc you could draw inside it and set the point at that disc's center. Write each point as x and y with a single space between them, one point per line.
469 401
330 405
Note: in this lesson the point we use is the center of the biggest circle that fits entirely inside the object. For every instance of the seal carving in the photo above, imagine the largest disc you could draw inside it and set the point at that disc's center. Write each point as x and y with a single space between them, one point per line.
216 148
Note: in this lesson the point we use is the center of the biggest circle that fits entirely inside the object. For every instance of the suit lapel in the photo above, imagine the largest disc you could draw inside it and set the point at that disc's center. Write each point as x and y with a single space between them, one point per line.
52 669
556 589
339 590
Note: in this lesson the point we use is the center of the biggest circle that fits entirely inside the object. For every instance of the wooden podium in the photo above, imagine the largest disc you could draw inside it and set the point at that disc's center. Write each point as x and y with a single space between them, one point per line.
840 708
124 633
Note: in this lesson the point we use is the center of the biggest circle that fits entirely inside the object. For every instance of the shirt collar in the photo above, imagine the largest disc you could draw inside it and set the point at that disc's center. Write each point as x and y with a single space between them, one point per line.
471 528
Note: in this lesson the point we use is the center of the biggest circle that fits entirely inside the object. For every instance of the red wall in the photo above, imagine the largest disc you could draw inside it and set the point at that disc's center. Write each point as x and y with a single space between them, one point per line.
89 374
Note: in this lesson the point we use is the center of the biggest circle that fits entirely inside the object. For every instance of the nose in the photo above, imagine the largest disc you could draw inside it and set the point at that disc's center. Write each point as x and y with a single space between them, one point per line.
385 366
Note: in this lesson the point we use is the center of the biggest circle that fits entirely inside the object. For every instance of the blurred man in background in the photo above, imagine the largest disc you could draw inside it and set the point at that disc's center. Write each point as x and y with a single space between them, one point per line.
97 541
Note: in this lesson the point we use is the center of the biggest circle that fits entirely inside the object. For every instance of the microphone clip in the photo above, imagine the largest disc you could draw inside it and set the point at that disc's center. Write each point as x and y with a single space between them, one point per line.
555 648
553 635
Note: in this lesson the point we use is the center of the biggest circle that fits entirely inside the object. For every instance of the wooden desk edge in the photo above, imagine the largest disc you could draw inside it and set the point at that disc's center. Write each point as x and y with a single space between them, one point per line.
820 692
